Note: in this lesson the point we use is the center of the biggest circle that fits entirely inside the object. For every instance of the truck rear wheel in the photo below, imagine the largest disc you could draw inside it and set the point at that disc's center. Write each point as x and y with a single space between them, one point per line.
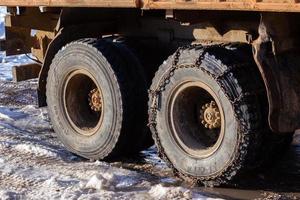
204 113
96 95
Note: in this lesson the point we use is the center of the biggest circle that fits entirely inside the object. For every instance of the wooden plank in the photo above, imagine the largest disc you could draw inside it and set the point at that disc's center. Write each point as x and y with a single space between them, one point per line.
18 40
26 72
37 21
246 5
72 3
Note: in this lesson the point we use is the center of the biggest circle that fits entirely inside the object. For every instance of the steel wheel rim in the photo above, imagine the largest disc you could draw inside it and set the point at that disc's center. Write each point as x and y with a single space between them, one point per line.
193 150
92 119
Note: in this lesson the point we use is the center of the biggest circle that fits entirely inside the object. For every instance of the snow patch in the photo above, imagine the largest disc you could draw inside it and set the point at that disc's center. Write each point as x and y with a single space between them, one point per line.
161 192
100 163
151 156
96 182
100 181
8 114
3 116
5 144
8 62
8 195
29 148
52 182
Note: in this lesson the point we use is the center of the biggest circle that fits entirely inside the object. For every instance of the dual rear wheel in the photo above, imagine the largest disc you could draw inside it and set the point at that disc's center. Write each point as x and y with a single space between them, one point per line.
208 114
206 107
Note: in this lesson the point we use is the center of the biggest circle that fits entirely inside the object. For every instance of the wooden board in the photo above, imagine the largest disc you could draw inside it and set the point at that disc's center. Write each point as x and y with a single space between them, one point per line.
245 5
72 3
26 72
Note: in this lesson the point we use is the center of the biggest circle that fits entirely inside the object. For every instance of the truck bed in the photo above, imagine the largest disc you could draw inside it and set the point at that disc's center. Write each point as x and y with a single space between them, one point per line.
246 5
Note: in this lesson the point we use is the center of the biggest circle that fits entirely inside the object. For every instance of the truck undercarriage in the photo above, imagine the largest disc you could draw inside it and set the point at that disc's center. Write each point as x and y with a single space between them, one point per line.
222 80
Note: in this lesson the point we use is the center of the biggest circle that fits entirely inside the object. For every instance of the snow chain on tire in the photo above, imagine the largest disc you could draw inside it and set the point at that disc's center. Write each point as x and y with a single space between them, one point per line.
154 100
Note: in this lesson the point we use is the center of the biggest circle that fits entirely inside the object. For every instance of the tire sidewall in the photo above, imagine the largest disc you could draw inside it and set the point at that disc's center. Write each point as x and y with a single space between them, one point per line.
182 161
81 56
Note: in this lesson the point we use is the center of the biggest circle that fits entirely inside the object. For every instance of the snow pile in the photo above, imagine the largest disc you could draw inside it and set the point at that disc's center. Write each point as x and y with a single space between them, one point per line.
161 192
179 193
113 180
27 118
97 182
28 148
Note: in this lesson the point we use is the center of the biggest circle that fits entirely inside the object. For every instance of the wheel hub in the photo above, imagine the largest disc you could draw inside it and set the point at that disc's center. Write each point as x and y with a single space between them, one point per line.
95 100
210 115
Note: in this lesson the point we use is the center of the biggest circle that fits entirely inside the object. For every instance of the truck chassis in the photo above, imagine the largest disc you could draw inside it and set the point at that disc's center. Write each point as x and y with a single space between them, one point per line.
222 78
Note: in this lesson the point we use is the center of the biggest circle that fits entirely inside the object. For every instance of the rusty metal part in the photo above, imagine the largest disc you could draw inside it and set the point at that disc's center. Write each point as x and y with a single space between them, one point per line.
95 100
210 115
276 52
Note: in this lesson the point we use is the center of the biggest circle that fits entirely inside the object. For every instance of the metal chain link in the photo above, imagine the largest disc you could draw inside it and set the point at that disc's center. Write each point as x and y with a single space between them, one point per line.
155 95
160 88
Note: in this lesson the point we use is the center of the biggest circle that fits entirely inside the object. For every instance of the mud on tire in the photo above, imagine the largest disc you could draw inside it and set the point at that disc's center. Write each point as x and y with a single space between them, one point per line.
110 75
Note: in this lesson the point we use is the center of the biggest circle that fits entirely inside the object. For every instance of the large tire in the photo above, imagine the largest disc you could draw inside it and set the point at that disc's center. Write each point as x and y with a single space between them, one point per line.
231 81
77 71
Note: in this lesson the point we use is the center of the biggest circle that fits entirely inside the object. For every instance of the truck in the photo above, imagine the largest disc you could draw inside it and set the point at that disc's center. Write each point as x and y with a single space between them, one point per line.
213 83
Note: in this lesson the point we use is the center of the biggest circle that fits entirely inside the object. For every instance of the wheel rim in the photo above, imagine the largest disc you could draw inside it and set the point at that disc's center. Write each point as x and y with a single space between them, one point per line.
196 119
83 102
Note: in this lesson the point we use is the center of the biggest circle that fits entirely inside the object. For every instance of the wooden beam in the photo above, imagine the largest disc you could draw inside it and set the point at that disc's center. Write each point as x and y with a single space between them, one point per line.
26 72
72 3
18 40
2 44
243 5
42 41
246 5
37 21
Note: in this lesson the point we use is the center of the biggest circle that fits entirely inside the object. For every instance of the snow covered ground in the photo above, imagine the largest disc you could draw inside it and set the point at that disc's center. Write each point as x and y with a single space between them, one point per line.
34 164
